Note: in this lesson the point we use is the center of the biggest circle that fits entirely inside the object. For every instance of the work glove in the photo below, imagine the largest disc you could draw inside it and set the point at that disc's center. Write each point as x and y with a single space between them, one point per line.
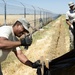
26 41
72 27
36 64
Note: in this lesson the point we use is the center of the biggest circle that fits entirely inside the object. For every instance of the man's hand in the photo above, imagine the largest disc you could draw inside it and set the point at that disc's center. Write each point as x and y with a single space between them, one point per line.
27 41
36 64
72 27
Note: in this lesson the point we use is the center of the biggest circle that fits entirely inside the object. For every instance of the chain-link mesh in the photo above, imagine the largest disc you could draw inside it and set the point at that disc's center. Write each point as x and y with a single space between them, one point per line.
36 16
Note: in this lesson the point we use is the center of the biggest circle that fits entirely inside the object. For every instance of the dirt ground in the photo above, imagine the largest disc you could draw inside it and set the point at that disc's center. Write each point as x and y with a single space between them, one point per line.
53 43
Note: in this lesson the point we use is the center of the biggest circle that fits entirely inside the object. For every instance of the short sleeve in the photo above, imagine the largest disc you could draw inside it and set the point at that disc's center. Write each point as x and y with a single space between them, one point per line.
67 17
5 31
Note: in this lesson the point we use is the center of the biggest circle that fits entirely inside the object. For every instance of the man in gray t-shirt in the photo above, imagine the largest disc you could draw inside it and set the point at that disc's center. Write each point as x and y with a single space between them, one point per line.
70 20
9 42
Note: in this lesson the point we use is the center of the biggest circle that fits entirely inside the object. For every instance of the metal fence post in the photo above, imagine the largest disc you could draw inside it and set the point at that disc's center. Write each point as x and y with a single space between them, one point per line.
46 17
40 12
24 9
34 16
4 12
40 20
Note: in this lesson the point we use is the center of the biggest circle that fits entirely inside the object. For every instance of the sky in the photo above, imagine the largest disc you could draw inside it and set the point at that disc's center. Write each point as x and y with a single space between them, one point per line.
55 6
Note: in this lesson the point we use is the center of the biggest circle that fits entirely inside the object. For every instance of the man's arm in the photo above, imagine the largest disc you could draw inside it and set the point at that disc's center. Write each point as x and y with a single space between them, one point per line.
25 60
7 44
19 54
69 23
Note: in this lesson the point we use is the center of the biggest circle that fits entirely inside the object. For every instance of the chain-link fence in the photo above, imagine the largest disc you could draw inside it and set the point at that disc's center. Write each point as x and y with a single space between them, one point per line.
37 17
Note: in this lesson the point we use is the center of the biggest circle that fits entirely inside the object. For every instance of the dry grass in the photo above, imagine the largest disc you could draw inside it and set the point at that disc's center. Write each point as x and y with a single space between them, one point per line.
10 19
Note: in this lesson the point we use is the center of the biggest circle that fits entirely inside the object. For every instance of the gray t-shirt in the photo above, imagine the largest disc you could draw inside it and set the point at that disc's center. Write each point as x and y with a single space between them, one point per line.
70 15
7 32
